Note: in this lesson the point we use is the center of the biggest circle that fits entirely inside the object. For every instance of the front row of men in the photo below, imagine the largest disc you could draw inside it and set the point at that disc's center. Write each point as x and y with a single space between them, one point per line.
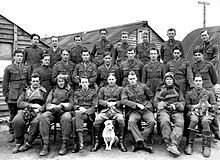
73 109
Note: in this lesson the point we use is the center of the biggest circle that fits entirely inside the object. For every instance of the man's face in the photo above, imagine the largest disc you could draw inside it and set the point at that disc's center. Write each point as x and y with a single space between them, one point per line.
61 82
169 81
124 38
18 58
153 55
55 41
35 82
198 82
65 56
35 40
198 56
78 40
205 36
131 54
111 80
145 37
103 35
85 56
171 34
84 83
132 79
176 54
46 61
107 59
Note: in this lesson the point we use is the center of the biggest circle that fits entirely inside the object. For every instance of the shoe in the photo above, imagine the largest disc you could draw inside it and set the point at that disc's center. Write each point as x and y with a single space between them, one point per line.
45 150
206 151
11 138
189 149
174 150
147 148
24 147
63 149
75 148
16 149
136 147
81 146
97 145
121 146
217 136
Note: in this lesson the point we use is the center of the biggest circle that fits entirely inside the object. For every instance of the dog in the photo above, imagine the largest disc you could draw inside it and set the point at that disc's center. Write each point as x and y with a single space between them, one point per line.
108 135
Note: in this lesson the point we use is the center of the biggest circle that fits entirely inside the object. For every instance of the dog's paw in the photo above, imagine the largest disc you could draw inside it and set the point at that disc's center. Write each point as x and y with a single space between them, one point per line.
106 148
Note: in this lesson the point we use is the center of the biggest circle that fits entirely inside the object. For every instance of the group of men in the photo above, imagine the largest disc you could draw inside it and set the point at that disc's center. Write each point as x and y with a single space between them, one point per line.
67 86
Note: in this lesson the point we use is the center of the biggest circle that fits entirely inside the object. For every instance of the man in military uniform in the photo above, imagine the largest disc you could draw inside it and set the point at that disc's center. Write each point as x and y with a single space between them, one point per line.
64 67
153 72
143 49
120 53
166 49
201 105
45 72
100 47
33 54
181 69
85 103
75 52
170 105
131 64
15 79
85 69
137 97
209 49
110 102
105 69
30 104
54 51
58 106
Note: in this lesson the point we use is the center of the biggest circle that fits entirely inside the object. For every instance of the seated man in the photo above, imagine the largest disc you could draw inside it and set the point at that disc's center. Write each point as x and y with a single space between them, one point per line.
58 106
30 104
170 106
200 104
110 101
138 97
85 101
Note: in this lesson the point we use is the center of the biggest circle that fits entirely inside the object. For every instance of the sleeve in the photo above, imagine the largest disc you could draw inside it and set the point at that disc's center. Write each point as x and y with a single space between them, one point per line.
5 82
213 74
91 110
188 102
144 75
181 103
102 102
125 100
118 76
162 52
212 101
93 52
21 103
75 75
93 78
189 74
25 56
167 67
49 99
215 57
115 55
76 102
54 73
70 105
182 50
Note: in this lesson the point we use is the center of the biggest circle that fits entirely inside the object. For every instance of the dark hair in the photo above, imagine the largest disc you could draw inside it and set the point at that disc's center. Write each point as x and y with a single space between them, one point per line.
45 55
124 32
35 75
176 48
33 35
197 75
64 50
171 29
84 77
204 30
18 51
55 37
112 74
103 29
76 36
155 49
197 50
85 50
130 48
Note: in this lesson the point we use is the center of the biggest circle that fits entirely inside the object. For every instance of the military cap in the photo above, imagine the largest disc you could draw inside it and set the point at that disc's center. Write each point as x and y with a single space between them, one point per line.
124 32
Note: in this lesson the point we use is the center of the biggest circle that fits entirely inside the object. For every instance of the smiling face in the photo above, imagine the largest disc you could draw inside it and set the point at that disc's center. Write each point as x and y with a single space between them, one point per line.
171 34
35 40
198 56
61 82
205 36
103 34
46 60
169 81
35 82
55 41
177 54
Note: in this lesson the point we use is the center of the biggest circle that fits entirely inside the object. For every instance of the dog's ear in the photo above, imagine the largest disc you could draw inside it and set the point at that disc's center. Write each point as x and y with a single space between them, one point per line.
105 122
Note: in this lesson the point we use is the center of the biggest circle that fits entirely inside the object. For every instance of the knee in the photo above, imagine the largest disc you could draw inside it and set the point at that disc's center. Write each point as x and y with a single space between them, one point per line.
121 121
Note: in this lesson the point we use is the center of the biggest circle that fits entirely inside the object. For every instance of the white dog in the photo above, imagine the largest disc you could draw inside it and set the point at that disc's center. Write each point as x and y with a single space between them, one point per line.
108 135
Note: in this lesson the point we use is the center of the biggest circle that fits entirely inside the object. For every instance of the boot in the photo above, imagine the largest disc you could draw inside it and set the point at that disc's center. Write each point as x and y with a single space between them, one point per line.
16 149
97 145
121 139
173 149
75 145
206 146
189 142
45 150
147 148
80 135
25 147
11 138
63 149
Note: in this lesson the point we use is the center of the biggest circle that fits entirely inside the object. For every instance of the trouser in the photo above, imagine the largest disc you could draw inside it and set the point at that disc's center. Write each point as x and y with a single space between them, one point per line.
134 117
13 110
171 135
65 122
19 126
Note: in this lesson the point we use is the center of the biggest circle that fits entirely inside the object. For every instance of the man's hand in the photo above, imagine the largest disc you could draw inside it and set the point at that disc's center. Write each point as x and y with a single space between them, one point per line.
173 106
36 106
141 106
111 104
82 109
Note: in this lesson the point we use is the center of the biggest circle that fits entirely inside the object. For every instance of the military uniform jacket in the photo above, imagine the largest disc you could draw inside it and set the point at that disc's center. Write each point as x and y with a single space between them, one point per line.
110 94
103 73
182 71
153 74
139 93
55 56
61 68
75 53
130 65
143 50
89 71
15 80
207 70
87 99
193 98
120 53
45 73
33 56
166 50
210 52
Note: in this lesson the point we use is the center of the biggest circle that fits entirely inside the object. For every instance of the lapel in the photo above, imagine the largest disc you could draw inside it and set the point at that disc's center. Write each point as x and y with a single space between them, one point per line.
199 66
111 90
131 65
154 65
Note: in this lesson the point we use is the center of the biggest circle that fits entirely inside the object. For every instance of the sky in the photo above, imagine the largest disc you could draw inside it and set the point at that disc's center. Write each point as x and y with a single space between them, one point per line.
60 17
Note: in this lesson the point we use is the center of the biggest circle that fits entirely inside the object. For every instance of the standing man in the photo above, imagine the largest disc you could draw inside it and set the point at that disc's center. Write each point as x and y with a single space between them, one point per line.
120 55
137 97
75 52
209 50
54 51
33 54
166 49
100 47
15 79
181 69
143 49
131 64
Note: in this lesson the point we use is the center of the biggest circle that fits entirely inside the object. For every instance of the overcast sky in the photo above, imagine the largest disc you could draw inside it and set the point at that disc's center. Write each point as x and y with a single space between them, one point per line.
59 17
